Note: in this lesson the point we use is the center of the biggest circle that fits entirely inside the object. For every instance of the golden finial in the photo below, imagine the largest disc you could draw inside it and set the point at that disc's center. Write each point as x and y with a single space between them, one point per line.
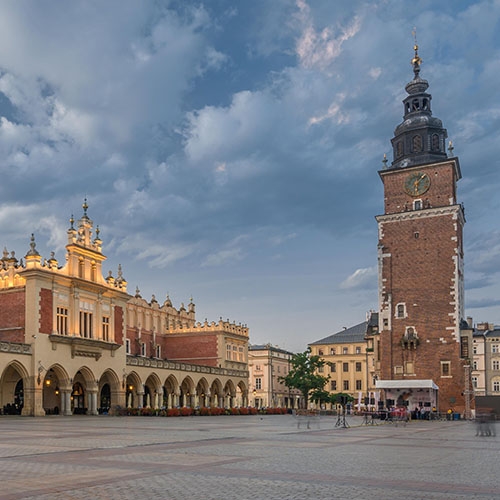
417 60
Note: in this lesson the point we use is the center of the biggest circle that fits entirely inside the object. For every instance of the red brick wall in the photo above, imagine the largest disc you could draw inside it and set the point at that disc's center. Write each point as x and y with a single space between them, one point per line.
46 309
198 349
420 272
12 306
119 325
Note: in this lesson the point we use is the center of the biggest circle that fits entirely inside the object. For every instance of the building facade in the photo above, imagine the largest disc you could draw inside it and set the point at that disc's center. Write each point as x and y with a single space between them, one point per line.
267 364
420 259
350 362
74 341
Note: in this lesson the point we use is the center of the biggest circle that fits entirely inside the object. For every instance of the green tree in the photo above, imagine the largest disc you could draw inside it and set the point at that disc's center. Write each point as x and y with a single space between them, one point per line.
304 376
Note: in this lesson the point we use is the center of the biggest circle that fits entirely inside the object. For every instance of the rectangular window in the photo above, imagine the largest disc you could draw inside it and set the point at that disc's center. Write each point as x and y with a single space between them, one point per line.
464 347
321 369
359 385
105 328
409 368
358 350
86 324
496 386
62 321
240 354
445 369
496 364
333 385
333 367
332 351
346 385
495 348
474 382
345 367
474 365
158 352
358 366
258 384
127 346
474 349
143 349
345 350
228 352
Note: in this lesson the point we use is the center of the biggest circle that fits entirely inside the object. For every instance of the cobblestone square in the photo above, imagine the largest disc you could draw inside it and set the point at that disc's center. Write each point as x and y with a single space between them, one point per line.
243 457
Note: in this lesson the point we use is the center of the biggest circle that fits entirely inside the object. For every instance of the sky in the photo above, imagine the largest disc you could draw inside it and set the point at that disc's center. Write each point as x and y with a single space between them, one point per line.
229 150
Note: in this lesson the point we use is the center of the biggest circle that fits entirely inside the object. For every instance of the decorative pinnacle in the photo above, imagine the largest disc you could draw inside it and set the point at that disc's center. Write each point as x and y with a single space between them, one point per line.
450 148
85 207
72 221
384 161
417 60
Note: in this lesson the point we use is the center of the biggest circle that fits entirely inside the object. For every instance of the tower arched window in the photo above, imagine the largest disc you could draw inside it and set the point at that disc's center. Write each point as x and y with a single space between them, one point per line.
435 142
417 143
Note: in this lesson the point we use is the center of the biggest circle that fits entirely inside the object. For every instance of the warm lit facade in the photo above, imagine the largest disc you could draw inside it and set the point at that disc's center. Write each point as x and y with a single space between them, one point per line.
74 341
266 364
350 361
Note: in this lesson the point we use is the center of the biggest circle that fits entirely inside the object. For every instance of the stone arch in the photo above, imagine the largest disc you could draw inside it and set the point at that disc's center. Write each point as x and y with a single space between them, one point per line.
152 391
171 392
13 383
109 391
133 390
56 390
216 394
229 394
241 394
202 392
84 392
187 392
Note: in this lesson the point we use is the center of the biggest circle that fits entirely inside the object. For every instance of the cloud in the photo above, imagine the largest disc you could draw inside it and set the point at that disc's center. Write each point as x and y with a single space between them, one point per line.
361 278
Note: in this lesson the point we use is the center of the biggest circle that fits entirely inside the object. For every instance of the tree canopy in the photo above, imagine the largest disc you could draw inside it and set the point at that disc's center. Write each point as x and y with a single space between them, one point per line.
304 375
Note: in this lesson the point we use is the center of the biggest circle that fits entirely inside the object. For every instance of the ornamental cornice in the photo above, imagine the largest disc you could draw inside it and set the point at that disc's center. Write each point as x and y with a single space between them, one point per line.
454 210
15 348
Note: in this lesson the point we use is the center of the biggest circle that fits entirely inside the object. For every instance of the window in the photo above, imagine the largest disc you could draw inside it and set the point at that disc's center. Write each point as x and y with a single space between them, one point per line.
333 385
358 350
358 366
105 328
345 350
86 324
258 384
228 352
333 367
474 382
417 143
445 369
474 349
320 352
435 142
417 205
320 369
240 354
496 386
474 365
400 311
332 351
358 385
495 348
409 368
345 367
158 351
62 321
496 364
127 346
346 385
143 349
464 347
258 368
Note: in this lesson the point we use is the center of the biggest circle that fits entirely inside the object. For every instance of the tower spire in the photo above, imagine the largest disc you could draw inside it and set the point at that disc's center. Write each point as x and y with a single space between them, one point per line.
421 137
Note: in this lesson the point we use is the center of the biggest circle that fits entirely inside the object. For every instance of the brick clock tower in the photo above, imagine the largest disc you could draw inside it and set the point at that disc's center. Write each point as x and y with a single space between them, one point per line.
420 259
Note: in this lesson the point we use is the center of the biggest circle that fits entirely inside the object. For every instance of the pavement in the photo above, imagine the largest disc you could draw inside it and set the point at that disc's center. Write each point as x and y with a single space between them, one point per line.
244 457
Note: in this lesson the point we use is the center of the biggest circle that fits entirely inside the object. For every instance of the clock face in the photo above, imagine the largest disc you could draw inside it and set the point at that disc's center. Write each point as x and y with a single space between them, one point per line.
417 184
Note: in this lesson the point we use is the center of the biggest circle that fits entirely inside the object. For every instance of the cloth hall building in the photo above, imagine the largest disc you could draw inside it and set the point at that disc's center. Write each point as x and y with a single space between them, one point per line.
75 342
